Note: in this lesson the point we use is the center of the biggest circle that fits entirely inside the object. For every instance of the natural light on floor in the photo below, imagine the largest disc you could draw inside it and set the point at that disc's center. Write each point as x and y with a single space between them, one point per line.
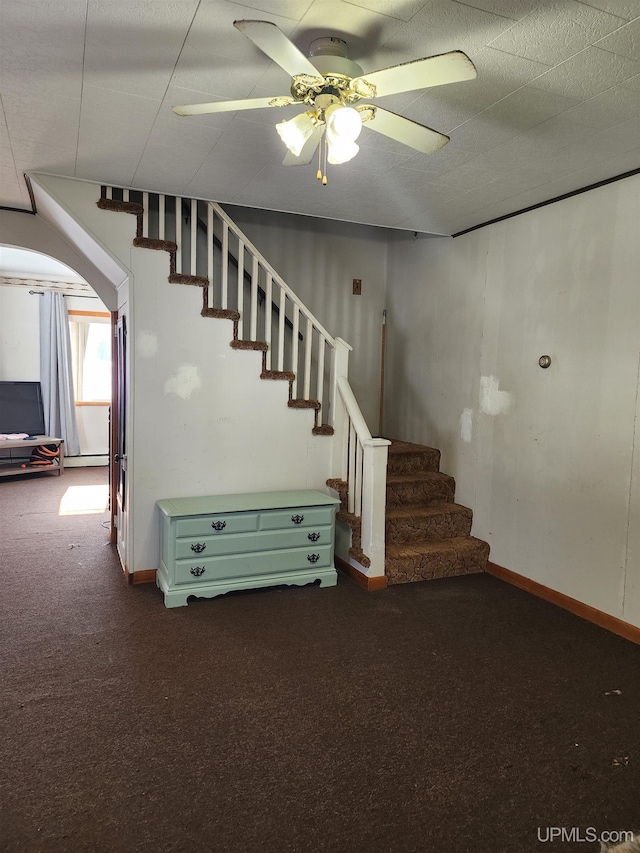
84 500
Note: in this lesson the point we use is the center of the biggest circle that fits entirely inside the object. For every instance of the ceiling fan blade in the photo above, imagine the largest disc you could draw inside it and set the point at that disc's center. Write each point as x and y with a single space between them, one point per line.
451 67
233 106
272 41
308 149
404 130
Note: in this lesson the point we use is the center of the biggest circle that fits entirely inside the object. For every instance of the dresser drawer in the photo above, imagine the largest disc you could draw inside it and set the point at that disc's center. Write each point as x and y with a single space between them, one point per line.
267 540
196 570
291 519
217 525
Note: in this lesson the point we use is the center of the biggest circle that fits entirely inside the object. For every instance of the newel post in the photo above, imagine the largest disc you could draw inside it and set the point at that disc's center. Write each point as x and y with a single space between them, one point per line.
339 370
374 494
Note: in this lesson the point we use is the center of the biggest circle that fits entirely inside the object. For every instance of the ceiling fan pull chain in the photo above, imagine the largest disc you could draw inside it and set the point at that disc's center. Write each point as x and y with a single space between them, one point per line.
324 177
319 175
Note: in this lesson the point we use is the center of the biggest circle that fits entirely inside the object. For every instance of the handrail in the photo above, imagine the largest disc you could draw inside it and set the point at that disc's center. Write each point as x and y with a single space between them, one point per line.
272 272
364 467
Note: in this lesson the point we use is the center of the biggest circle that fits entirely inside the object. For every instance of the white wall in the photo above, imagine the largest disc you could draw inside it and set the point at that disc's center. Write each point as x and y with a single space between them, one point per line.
19 335
201 420
544 457
319 259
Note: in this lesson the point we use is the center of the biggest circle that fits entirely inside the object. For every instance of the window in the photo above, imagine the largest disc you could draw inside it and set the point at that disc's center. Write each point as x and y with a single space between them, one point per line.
91 356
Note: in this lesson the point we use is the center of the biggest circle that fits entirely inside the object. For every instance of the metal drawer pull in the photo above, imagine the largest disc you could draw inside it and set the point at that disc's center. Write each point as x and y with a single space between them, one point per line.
218 525
313 536
196 571
297 519
198 547
313 558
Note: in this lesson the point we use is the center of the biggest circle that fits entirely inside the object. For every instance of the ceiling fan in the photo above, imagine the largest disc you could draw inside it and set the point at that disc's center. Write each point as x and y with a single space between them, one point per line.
332 86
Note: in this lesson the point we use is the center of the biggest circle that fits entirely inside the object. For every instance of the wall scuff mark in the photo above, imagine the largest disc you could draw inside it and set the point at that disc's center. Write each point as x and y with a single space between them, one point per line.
492 400
147 344
184 382
466 425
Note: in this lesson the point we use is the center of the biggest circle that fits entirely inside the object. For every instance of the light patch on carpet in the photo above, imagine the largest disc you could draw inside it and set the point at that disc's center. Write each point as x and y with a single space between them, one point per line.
84 500
184 381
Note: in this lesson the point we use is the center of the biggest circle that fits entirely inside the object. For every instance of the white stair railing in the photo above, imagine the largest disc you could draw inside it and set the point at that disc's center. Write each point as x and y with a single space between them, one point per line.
208 243
362 463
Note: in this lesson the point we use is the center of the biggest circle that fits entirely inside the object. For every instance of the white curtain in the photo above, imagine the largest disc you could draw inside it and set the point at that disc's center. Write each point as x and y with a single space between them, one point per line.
56 376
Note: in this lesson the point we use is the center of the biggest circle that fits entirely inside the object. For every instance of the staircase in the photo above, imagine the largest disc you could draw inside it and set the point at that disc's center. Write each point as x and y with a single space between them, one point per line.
208 251
427 534
400 508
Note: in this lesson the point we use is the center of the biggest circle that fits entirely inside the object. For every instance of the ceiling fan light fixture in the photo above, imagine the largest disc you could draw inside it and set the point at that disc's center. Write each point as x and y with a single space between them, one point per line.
343 123
340 151
295 132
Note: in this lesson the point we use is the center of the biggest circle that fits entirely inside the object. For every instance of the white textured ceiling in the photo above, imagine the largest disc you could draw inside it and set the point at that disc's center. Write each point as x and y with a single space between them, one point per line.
87 88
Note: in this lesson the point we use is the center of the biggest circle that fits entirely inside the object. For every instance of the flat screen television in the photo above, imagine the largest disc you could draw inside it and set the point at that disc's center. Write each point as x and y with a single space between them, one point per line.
21 408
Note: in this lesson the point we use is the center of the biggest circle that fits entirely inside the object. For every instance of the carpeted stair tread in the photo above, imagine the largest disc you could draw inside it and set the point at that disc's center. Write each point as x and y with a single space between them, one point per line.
439 520
420 488
405 458
459 555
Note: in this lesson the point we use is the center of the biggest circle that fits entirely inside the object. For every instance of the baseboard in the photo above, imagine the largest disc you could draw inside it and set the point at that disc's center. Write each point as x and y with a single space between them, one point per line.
370 584
585 611
143 576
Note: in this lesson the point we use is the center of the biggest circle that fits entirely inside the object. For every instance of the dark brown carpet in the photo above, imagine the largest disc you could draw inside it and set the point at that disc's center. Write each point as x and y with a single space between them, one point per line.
449 715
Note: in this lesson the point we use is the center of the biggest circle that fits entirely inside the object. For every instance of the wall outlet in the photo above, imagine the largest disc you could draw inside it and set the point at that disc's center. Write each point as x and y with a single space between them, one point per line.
357 286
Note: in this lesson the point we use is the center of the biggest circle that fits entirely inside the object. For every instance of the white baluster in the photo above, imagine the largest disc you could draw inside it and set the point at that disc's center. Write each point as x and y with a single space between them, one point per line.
320 385
283 308
194 236
294 350
225 263
210 253
267 317
307 360
109 192
351 471
125 195
254 300
145 214
161 226
358 480
240 288
178 234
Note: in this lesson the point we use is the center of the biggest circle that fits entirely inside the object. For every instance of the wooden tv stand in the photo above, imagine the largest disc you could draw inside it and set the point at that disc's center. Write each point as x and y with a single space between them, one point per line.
12 463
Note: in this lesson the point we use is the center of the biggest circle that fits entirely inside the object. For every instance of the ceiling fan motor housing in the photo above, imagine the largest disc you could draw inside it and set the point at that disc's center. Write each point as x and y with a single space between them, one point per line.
329 56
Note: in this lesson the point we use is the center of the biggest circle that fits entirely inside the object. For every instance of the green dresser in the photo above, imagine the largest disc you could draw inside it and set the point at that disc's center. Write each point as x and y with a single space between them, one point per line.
213 545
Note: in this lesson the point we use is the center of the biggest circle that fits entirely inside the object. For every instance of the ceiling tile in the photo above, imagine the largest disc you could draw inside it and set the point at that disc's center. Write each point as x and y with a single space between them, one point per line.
34 153
444 25
622 8
555 31
625 41
608 108
43 118
633 83
133 47
293 9
469 176
403 11
42 45
587 73
114 128
515 9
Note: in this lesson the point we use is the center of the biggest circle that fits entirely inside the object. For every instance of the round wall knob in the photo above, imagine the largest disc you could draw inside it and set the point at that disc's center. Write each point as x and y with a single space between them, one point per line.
544 361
